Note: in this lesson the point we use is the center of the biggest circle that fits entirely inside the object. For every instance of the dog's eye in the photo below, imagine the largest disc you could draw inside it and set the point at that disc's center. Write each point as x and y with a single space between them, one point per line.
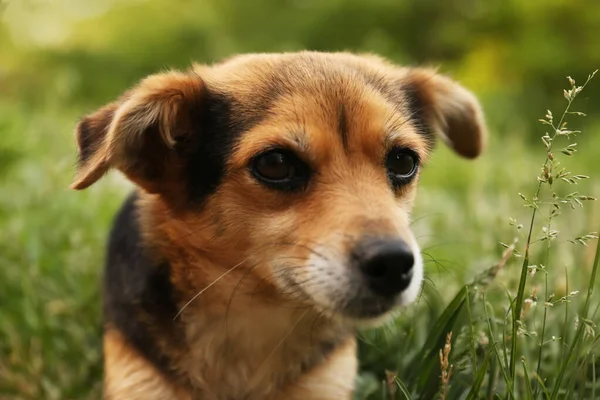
274 166
402 165
280 169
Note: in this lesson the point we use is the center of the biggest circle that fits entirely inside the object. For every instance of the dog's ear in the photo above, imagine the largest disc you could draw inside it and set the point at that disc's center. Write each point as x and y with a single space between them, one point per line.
447 109
146 134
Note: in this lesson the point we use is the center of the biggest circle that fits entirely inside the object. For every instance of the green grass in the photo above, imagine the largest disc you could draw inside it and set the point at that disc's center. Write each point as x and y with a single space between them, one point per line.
52 241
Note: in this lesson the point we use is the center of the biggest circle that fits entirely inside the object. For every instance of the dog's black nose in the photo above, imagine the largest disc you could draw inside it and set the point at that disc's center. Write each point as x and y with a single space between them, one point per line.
386 265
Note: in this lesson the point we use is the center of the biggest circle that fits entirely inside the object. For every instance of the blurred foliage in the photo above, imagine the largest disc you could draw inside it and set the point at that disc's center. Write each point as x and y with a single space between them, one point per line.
510 52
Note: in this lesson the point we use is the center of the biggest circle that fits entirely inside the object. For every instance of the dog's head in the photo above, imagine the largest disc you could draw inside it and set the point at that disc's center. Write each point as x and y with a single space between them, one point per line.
301 168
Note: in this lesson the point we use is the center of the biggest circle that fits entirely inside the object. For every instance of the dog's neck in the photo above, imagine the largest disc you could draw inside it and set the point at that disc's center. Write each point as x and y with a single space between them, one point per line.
239 334
255 347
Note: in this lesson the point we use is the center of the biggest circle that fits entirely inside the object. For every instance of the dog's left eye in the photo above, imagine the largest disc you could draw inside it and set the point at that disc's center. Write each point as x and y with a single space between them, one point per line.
280 169
402 165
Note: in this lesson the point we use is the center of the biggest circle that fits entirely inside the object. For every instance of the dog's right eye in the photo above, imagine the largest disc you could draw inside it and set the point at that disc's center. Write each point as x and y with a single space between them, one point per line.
280 169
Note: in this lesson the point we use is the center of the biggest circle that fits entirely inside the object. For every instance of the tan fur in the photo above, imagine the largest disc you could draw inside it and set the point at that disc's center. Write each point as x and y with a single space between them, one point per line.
258 271
129 376
333 379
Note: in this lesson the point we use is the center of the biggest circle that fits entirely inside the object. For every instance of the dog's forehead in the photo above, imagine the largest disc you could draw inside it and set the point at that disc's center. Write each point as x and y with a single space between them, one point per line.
312 98
278 74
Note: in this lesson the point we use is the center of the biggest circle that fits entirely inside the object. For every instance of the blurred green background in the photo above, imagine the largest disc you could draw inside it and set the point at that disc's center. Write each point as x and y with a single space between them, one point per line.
60 59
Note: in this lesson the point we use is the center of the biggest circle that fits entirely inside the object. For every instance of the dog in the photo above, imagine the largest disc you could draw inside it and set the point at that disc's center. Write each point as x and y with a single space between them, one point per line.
270 219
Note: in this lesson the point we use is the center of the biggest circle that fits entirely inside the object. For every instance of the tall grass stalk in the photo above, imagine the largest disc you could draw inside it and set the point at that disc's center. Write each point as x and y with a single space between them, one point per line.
547 177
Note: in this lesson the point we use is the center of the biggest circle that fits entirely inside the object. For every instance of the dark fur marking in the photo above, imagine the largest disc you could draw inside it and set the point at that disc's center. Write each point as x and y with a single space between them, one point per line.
324 349
220 121
139 299
406 98
206 167
418 112
90 134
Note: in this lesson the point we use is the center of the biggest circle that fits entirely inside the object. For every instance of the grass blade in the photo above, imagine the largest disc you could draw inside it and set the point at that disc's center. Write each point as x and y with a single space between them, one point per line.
495 348
565 364
403 389
492 378
384 391
543 334
586 308
543 386
582 390
518 306
527 380
581 328
421 370
565 335
472 340
474 392
507 379
593 376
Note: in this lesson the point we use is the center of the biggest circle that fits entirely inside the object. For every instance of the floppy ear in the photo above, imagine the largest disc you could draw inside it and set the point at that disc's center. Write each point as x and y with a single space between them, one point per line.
146 134
446 109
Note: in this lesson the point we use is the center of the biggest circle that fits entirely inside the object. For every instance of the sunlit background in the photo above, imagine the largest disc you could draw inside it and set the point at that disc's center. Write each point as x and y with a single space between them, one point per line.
60 59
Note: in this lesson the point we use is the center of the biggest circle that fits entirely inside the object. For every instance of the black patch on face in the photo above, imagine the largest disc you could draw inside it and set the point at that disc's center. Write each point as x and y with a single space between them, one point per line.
207 166
222 119
139 299
418 112
343 125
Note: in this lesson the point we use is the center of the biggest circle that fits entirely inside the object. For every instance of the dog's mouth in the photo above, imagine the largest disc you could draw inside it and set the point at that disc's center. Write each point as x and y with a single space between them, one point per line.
368 308
355 304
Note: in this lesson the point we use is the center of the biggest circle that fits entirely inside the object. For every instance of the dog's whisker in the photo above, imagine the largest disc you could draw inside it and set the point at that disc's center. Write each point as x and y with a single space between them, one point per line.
206 288
307 247
292 258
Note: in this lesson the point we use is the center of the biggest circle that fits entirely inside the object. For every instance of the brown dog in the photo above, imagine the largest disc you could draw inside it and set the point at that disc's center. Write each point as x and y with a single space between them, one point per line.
271 218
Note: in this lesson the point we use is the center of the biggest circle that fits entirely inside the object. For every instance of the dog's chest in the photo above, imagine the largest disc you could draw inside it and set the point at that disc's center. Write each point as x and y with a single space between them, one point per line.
250 356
